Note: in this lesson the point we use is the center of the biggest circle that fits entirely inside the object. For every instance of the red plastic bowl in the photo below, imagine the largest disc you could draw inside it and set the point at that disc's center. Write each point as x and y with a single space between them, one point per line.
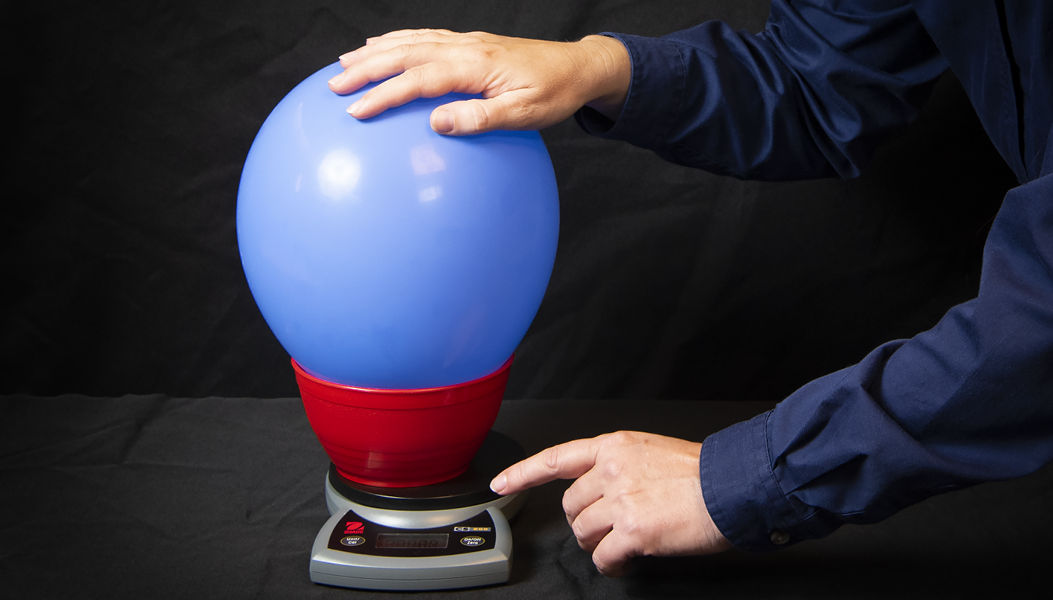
402 438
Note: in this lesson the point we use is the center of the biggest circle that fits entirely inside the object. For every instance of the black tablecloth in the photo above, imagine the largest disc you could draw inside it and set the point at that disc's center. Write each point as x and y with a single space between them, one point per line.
158 497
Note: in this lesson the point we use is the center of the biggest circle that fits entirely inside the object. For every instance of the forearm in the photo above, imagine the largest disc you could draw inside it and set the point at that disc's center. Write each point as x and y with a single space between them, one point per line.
795 101
966 402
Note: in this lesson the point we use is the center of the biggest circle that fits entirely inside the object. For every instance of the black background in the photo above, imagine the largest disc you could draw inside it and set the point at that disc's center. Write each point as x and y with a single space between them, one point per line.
128 123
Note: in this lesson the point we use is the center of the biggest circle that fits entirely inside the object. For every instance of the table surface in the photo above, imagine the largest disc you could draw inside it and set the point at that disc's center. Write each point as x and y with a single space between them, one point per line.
158 497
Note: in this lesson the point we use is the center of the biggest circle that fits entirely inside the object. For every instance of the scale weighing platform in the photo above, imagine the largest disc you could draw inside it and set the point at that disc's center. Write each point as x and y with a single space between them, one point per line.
453 534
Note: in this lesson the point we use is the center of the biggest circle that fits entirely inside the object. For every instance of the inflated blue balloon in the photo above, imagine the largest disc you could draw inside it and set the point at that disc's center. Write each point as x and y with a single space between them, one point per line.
384 255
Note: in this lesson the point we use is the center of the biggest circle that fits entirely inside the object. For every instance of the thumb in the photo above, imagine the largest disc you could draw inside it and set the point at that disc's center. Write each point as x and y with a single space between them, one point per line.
469 117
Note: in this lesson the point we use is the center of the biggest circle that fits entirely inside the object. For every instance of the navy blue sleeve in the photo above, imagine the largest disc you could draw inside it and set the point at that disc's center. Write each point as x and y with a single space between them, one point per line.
969 401
810 96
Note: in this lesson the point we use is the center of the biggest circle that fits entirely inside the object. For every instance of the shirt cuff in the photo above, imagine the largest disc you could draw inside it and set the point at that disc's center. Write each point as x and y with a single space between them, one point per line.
656 94
741 493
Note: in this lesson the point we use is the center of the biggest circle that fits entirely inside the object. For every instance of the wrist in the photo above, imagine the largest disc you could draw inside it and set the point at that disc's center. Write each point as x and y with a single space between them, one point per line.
609 72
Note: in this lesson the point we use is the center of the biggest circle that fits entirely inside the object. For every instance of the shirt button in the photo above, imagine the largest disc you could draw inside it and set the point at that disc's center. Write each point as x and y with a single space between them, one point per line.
779 537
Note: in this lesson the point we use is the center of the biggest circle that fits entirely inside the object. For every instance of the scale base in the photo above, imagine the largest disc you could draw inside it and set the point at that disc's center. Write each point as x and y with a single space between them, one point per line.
460 559
449 535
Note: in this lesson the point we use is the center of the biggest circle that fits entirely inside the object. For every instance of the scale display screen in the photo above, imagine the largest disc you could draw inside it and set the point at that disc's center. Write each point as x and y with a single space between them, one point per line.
413 540
355 534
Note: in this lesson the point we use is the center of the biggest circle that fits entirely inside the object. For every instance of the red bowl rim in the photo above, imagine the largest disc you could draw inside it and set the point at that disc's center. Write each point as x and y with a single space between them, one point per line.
349 395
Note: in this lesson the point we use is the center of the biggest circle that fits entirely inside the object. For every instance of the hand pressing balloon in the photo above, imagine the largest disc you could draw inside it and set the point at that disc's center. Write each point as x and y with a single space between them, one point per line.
636 494
524 84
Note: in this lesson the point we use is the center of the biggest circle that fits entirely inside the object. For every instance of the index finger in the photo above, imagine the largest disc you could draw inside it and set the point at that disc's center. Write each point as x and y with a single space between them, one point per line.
565 461
404 33
383 43
389 41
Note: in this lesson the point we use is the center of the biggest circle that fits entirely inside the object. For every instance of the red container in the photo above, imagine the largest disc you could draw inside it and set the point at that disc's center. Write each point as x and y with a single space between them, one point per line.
402 438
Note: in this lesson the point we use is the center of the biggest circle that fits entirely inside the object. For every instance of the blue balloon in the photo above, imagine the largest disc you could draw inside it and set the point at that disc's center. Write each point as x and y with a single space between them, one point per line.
384 255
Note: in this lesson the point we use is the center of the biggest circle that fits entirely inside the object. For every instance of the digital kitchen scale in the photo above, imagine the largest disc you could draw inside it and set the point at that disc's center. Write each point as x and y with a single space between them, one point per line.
453 534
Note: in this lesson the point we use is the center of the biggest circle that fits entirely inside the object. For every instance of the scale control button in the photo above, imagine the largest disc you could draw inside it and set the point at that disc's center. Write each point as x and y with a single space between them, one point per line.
472 540
472 529
353 540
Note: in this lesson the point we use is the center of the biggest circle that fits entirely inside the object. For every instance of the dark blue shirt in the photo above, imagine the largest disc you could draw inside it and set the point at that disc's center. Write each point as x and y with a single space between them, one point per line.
813 95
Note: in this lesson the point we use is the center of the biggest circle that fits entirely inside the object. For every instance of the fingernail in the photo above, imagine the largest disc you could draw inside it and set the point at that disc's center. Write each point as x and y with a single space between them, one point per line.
442 122
346 55
354 108
371 40
334 80
499 483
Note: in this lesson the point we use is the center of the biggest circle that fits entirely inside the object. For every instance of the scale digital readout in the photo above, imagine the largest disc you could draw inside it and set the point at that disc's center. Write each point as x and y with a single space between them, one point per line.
449 535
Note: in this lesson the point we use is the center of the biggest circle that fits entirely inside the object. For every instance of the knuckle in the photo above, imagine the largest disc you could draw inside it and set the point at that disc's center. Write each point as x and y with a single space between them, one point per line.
425 79
632 526
612 469
410 81
482 117
602 564
622 493
416 75
577 529
551 458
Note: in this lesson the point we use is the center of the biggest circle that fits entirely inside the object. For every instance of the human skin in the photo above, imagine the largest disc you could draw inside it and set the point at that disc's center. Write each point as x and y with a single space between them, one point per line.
636 493
524 84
